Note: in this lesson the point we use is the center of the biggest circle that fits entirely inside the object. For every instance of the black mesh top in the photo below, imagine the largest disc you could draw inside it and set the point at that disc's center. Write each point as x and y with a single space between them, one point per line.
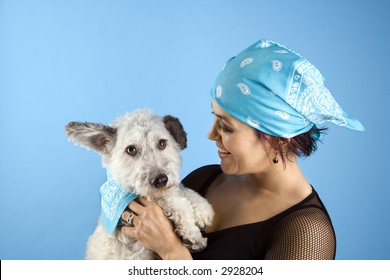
304 231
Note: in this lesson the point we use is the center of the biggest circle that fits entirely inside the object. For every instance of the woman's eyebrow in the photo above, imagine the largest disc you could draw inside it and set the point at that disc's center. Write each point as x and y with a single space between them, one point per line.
219 116
223 118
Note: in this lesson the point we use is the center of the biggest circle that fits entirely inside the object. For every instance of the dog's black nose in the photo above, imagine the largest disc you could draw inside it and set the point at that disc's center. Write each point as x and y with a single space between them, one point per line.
160 181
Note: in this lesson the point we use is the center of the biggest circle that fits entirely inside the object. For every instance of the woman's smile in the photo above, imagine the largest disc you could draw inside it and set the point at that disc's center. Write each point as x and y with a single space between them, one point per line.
223 153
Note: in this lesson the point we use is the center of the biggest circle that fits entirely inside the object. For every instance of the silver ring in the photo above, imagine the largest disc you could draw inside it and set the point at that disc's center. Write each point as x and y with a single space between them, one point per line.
130 218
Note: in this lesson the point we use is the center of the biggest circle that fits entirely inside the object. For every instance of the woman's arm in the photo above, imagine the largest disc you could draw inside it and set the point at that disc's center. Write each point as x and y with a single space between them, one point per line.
153 229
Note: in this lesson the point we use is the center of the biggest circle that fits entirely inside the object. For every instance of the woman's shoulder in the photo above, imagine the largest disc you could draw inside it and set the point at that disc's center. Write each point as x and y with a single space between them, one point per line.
308 214
308 228
201 178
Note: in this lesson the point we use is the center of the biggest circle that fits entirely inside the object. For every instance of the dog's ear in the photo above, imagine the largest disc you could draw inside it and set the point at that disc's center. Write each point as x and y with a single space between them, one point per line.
96 136
175 128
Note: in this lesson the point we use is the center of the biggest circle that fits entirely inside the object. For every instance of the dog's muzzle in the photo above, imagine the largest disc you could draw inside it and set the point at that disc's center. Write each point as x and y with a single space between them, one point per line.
160 181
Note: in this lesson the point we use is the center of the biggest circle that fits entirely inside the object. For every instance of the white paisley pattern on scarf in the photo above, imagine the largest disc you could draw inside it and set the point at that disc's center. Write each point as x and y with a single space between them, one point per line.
112 193
308 96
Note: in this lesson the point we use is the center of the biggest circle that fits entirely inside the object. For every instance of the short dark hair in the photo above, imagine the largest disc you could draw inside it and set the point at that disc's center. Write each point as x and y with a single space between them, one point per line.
302 145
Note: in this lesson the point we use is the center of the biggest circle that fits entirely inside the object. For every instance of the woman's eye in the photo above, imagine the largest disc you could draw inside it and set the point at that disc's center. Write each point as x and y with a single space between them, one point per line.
225 128
131 150
162 144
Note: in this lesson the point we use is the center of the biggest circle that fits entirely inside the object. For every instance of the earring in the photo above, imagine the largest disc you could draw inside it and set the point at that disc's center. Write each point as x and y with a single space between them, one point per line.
275 160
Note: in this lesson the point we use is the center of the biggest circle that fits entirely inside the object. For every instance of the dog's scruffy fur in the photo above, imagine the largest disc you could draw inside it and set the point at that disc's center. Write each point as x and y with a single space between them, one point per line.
142 152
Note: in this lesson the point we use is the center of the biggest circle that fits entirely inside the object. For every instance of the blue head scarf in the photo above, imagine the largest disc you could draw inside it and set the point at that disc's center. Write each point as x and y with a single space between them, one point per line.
275 90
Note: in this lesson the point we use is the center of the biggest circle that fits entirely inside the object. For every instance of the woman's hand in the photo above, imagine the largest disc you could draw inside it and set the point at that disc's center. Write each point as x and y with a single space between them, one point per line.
153 229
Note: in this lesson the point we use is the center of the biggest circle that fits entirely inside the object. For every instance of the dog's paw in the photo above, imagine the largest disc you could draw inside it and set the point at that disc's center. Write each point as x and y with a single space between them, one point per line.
192 239
196 245
203 221
204 216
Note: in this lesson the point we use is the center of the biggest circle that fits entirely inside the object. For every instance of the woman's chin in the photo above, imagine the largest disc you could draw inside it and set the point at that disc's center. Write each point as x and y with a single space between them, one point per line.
227 166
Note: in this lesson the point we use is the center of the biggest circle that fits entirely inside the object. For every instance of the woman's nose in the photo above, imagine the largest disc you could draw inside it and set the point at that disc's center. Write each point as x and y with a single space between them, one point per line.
214 132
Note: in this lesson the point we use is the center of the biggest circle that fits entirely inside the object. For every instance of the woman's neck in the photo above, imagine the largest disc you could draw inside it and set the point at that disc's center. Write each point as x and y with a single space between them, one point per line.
279 178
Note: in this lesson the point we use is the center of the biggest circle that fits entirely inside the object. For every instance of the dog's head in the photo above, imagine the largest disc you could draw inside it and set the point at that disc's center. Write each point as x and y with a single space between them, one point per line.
140 149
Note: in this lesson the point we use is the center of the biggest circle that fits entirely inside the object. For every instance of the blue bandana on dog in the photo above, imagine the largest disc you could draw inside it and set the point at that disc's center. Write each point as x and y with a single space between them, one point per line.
114 202
275 90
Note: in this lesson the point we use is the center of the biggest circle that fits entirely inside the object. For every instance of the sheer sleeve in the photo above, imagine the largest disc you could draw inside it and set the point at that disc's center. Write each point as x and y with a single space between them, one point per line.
303 234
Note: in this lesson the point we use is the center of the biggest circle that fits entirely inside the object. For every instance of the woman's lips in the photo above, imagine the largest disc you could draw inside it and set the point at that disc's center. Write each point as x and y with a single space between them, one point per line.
222 153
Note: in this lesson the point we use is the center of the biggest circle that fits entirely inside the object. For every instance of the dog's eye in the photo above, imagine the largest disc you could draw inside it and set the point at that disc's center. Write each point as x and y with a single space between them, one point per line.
131 150
162 143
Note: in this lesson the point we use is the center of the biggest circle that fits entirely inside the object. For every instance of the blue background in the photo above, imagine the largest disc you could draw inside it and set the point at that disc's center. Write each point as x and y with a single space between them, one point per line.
95 60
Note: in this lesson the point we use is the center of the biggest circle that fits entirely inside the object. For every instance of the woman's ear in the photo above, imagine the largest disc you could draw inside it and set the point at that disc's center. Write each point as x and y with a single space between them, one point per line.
175 128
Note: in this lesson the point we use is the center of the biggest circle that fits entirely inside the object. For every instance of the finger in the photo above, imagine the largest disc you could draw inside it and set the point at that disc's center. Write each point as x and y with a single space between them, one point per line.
144 201
136 207
125 215
129 231
128 216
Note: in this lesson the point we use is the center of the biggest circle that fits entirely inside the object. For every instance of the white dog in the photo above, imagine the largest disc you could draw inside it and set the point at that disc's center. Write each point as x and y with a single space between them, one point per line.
142 153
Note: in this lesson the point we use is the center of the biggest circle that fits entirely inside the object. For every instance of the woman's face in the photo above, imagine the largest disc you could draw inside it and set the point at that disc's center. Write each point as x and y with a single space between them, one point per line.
239 148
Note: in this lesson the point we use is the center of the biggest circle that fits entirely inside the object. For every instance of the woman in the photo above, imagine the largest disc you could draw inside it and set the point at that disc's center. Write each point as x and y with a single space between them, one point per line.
267 101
